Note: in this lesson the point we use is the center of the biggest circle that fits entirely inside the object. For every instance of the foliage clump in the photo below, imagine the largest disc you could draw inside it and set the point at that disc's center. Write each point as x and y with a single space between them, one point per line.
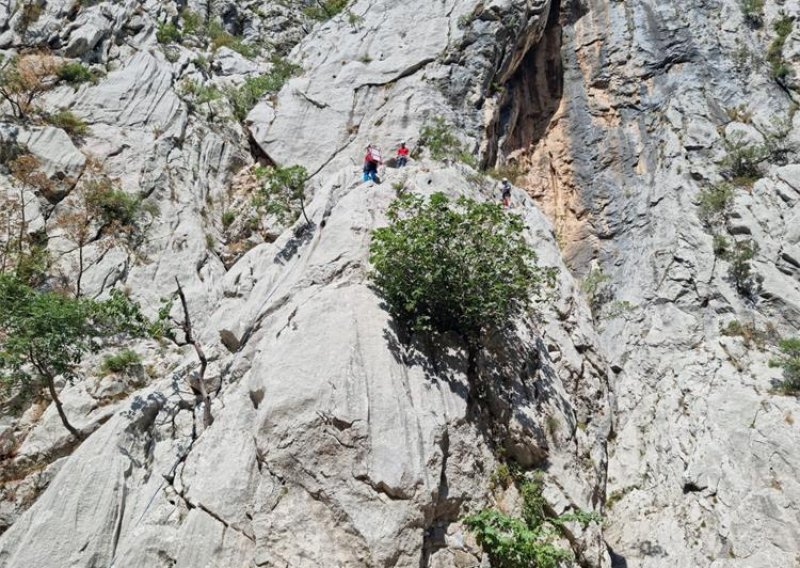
740 271
322 10
123 362
779 68
789 361
45 335
742 162
529 539
25 78
245 97
438 137
713 204
459 266
75 73
282 192
69 122
753 11
168 33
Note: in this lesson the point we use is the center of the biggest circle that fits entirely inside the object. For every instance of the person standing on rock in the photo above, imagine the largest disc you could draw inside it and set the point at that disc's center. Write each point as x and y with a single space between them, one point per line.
371 162
402 155
505 190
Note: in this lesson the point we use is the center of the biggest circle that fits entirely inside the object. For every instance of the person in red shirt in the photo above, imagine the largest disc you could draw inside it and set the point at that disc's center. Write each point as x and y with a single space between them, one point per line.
371 165
402 155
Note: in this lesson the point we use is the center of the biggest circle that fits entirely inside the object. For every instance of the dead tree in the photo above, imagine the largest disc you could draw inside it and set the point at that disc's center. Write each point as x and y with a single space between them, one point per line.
189 339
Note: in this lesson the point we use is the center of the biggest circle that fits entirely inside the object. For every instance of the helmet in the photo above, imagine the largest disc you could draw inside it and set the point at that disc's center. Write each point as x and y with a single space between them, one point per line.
505 180
403 143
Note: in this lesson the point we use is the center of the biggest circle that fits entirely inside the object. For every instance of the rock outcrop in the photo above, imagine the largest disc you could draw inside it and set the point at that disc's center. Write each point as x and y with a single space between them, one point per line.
335 442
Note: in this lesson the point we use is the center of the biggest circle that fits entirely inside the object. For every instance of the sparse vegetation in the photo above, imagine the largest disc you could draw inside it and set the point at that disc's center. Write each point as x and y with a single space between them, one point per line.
282 192
789 361
527 540
742 163
228 217
322 10
168 33
457 266
779 68
29 13
245 97
75 73
753 11
442 143
713 204
740 271
598 292
69 122
123 362
25 78
751 335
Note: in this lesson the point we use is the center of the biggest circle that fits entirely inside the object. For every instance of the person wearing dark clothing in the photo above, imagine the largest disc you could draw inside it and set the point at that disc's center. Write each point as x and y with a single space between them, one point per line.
371 165
505 189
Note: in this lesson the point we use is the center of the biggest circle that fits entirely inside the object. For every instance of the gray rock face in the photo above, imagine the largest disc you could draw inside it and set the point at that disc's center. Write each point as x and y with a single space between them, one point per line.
334 443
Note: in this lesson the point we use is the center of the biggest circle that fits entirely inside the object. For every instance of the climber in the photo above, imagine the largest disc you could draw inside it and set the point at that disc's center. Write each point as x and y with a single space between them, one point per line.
402 155
371 162
505 189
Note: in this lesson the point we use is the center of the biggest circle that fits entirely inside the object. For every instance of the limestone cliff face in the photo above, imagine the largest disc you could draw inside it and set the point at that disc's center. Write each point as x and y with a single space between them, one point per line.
336 444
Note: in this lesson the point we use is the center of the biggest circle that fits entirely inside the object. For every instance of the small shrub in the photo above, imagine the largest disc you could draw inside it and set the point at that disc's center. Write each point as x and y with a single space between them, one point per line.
192 23
743 159
528 540
29 13
282 192
323 10
779 69
25 78
123 362
219 37
69 122
501 477
228 217
595 286
196 94
168 33
750 334
789 361
113 206
740 271
438 137
462 266
713 204
753 11
721 246
245 97
75 73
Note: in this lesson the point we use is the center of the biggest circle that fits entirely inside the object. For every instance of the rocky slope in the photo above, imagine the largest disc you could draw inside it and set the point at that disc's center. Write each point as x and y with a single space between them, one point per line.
335 444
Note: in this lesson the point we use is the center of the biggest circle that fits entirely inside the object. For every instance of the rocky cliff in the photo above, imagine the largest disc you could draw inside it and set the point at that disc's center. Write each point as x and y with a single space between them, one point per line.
333 441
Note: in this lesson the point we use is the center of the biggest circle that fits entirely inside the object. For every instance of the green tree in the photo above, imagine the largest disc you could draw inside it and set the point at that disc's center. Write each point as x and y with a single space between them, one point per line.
790 362
45 335
461 266
283 191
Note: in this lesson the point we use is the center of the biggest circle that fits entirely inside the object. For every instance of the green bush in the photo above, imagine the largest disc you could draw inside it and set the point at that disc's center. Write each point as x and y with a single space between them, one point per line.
721 246
113 206
69 122
743 159
438 137
461 266
778 66
596 287
740 271
123 362
789 360
323 10
168 33
228 217
526 541
44 335
245 97
753 11
713 203
75 73
221 38
282 192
